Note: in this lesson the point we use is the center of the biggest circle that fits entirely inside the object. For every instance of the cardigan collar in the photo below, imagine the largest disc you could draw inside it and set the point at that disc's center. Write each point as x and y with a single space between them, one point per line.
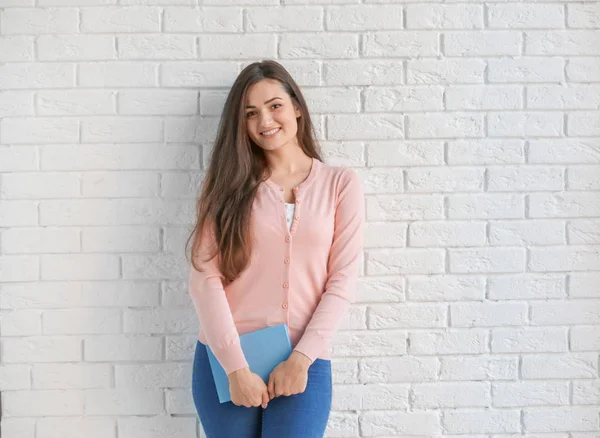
314 170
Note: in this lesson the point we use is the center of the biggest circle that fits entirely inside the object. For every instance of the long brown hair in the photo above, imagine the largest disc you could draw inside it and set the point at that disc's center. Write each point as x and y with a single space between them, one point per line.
236 168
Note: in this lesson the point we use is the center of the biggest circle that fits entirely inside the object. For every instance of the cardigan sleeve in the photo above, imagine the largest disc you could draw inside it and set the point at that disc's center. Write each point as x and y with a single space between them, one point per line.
214 315
342 268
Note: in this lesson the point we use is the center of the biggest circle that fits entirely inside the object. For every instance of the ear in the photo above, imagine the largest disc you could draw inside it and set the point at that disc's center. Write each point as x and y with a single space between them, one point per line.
298 112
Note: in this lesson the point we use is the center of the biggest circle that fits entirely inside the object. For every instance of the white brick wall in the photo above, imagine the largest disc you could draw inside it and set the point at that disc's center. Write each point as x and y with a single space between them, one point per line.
474 126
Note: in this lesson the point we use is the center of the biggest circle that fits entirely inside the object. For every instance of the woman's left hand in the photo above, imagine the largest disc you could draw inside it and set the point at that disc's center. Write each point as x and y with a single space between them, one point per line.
290 376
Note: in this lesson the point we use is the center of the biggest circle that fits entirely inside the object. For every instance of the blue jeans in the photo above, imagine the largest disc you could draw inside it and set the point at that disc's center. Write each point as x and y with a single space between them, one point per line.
302 415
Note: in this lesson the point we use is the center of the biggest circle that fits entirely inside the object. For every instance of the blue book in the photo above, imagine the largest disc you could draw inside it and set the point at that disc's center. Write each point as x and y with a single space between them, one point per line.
264 349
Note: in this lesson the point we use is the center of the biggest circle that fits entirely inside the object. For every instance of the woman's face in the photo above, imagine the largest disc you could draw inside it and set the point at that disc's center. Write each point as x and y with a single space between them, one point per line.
270 115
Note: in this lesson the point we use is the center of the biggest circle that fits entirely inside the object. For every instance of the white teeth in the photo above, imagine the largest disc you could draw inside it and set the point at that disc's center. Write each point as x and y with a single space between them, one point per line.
273 131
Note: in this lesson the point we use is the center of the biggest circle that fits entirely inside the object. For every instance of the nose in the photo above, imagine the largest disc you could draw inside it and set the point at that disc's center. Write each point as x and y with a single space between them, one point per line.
266 119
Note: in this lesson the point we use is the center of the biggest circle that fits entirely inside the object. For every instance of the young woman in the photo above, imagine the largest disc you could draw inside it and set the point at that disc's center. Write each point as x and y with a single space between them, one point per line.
278 239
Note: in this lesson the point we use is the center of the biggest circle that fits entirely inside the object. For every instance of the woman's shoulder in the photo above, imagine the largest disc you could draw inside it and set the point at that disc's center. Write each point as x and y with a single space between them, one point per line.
341 176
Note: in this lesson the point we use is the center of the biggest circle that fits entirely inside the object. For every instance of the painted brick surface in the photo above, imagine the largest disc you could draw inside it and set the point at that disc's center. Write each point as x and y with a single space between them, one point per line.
474 126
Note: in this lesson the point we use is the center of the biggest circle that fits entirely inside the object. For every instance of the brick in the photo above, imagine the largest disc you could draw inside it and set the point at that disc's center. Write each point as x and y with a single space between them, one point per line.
405 153
485 260
515 394
400 44
72 427
583 177
445 71
482 43
123 401
19 268
403 99
38 130
496 367
574 96
188 20
59 103
584 124
398 207
120 184
486 151
526 69
489 97
486 206
527 233
116 157
81 321
482 421
421 315
567 42
286 19
201 74
561 419
236 46
585 338
75 47
564 204
42 403
583 69
434 180
529 340
324 44
440 125
156 47
405 261
117 348
445 287
120 239
583 285
18 159
79 267
38 349
573 258
562 150
117 74
363 17
525 124
397 369
376 423
458 341
525 178
157 427
488 314
71 376
121 129
16 49
444 16
120 20
440 395
560 366
569 312
364 127
39 185
525 16
34 21
445 234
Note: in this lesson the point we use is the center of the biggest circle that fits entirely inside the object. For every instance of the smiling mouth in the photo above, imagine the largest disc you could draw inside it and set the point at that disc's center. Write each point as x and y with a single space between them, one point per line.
270 133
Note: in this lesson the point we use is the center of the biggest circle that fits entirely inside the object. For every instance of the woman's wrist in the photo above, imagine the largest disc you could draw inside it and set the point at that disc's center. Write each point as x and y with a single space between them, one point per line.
300 358
242 372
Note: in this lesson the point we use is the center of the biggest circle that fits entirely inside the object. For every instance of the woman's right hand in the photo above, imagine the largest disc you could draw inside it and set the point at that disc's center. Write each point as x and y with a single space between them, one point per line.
248 389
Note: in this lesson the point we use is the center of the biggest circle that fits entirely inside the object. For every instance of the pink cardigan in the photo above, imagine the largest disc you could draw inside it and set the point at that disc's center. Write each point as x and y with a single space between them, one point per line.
305 276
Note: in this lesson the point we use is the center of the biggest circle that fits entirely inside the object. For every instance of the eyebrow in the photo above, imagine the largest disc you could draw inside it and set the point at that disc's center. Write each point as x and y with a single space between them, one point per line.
251 106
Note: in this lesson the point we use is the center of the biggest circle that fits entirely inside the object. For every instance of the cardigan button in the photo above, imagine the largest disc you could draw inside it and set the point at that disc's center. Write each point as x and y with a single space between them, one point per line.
285 284
286 261
287 238
284 305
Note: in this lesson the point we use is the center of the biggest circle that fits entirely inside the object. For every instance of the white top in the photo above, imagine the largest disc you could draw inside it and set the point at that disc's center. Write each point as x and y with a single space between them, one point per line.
289 213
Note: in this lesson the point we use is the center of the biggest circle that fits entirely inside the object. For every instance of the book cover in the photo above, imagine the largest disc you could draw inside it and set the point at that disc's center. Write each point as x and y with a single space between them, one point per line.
264 349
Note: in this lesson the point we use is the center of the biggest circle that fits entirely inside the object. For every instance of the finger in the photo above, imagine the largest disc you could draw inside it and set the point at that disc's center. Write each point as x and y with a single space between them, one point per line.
265 398
271 388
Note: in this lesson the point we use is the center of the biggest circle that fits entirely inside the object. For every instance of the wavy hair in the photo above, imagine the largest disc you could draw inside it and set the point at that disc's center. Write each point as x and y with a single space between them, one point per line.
236 168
